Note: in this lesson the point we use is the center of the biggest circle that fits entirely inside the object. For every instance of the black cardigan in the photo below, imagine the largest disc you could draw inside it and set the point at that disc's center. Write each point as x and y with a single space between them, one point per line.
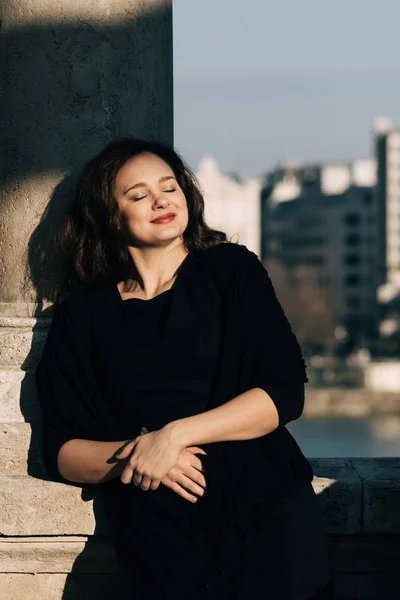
258 350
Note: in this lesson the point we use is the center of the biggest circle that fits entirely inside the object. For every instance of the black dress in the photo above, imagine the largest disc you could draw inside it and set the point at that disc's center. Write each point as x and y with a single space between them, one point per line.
155 361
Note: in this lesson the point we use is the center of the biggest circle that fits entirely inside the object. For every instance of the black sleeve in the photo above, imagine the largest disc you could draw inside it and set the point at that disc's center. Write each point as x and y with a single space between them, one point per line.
72 405
279 368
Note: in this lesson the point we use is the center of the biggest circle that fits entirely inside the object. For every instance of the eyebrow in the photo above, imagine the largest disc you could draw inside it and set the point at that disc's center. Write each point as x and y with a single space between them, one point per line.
141 184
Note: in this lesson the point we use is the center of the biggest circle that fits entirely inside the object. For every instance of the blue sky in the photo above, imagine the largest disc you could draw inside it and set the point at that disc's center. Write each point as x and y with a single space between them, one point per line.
256 82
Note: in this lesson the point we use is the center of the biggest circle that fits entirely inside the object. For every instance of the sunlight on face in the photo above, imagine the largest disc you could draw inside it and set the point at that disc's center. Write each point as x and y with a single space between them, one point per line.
146 189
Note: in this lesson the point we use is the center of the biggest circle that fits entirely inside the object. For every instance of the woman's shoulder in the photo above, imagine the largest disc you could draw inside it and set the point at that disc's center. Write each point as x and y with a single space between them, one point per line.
231 263
232 257
230 252
78 304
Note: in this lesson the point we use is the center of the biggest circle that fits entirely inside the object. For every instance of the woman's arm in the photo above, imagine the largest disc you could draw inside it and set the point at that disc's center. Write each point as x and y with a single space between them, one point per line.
87 461
247 416
250 415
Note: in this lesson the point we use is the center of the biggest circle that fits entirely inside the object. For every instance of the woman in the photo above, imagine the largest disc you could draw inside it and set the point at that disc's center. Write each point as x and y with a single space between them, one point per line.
169 374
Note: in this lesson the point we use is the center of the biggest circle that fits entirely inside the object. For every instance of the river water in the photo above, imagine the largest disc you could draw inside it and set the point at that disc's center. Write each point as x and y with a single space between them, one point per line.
356 437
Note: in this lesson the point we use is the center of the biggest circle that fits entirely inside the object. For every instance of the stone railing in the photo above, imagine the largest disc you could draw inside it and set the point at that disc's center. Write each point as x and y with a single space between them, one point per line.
53 539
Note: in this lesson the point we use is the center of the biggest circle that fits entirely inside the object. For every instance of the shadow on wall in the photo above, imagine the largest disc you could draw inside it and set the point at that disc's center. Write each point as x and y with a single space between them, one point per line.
45 257
95 573
69 88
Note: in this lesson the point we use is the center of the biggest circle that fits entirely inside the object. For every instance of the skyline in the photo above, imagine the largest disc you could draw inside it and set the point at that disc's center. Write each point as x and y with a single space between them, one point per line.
315 100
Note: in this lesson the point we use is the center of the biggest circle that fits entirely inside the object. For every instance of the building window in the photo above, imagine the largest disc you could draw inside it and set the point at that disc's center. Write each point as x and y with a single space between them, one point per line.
353 302
316 261
352 259
368 197
352 239
352 219
351 280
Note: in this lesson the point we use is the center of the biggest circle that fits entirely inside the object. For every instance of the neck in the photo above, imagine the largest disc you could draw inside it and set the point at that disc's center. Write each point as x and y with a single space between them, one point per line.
154 268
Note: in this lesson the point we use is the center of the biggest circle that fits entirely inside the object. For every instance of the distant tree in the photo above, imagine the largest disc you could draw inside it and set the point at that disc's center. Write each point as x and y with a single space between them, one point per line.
307 304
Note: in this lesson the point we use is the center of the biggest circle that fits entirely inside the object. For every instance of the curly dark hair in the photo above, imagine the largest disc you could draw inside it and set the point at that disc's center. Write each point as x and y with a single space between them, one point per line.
95 251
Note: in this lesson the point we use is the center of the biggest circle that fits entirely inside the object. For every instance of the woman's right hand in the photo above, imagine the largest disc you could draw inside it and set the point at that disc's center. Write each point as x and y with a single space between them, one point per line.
186 476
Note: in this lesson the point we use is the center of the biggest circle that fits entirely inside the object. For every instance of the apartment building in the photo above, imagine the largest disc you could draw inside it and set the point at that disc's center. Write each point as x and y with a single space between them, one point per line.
322 220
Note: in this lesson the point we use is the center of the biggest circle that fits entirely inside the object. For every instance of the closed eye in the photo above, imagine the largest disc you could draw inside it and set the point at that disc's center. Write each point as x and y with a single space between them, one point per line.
141 197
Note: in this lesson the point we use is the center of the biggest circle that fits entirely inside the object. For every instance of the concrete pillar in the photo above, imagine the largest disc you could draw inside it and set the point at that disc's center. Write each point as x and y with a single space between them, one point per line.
73 76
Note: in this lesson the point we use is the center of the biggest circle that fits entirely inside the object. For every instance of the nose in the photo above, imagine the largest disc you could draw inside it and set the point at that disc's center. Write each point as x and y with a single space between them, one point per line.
161 200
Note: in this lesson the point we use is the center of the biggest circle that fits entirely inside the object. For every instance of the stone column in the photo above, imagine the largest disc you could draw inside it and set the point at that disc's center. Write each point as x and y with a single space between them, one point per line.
74 75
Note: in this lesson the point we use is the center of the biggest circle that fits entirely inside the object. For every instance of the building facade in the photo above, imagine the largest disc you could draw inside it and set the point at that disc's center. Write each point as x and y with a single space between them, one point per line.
319 224
232 205
387 148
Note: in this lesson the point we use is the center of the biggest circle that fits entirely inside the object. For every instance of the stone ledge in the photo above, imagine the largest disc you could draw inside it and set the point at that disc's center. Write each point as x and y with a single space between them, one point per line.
370 506
381 494
340 490
367 586
57 555
21 348
365 553
20 450
38 507
95 554
358 496
18 397
25 310
72 586
25 322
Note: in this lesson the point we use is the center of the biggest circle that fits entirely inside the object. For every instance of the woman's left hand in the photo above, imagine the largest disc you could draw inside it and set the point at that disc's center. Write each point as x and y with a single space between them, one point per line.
150 457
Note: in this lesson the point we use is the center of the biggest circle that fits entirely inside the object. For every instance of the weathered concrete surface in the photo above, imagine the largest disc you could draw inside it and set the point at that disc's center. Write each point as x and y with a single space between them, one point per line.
75 586
78 586
350 554
18 397
57 555
367 586
343 486
353 403
381 494
21 348
361 518
31 506
340 490
365 553
21 309
20 450
75 75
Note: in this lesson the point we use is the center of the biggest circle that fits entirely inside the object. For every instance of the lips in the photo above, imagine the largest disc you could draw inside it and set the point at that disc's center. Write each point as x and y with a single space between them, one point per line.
165 218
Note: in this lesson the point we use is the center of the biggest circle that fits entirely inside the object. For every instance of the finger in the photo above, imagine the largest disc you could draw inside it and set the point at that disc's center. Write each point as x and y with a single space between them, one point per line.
137 477
196 450
196 476
189 478
191 486
196 463
127 474
155 484
126 451
178 489
145 483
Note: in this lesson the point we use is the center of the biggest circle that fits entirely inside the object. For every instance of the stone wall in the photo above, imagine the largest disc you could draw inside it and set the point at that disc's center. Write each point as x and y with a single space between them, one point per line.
75 75
53 538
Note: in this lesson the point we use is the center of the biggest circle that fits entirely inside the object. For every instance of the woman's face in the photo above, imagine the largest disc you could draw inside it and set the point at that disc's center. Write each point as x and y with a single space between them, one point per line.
145 190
